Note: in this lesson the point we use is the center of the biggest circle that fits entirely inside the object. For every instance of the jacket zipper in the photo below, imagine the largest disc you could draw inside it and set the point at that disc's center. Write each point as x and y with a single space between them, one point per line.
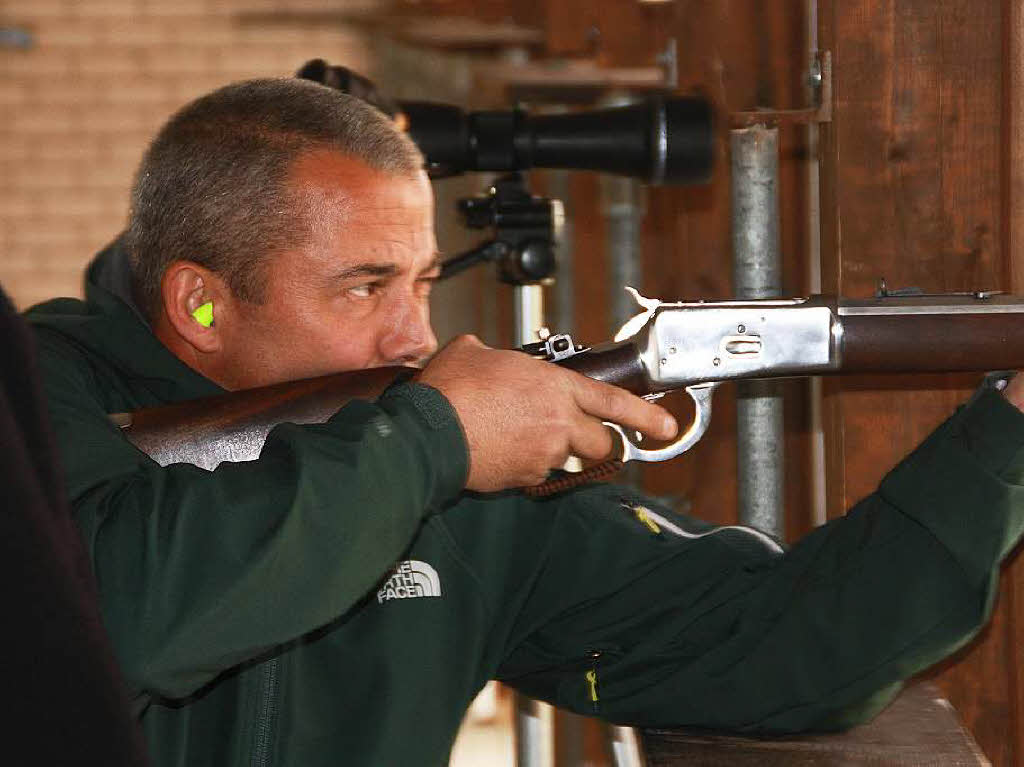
643 516
266 715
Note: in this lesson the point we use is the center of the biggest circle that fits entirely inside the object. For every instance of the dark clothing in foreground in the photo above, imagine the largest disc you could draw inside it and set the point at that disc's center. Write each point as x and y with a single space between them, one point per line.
341 600
66 702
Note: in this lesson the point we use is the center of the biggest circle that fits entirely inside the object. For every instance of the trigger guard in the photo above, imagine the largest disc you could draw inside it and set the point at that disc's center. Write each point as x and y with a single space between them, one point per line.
701 396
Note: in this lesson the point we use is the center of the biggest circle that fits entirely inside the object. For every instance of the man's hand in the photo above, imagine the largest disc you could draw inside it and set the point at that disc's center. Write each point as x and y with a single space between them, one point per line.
523 416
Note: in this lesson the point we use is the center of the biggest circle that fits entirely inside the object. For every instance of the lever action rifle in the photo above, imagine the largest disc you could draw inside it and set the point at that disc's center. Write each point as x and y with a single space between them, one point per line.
694 346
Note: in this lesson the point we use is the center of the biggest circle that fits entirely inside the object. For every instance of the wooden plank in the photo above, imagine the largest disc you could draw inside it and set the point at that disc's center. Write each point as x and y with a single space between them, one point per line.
919 181
911 192
617 33
1013 143
495 12
919 729
1012 189
467 34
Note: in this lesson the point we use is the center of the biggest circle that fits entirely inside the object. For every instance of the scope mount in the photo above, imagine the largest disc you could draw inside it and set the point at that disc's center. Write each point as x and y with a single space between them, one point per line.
526 229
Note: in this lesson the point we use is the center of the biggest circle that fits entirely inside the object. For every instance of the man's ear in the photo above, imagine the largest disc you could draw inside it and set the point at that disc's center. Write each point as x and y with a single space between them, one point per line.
191 296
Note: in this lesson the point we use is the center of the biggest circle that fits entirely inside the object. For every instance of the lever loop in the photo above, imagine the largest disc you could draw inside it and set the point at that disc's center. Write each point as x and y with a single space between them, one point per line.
701 395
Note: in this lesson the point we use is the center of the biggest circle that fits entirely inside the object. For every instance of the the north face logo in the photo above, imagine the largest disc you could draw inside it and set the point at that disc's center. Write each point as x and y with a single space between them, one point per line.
411 578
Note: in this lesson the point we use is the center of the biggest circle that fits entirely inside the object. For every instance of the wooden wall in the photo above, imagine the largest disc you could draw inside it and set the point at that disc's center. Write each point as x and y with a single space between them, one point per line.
917 175
920 185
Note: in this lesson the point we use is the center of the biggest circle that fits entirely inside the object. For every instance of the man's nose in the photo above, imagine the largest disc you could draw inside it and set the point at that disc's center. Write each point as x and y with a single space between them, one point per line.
410 339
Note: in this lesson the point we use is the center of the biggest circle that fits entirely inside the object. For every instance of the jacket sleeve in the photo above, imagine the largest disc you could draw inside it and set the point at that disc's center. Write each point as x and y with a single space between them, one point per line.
200 570
643 617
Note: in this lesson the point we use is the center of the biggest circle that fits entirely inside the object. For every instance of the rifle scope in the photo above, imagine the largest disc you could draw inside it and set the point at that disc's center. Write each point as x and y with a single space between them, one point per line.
659 141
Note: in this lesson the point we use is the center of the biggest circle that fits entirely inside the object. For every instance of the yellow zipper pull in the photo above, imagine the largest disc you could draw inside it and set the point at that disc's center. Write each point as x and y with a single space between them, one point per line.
644 517
591 677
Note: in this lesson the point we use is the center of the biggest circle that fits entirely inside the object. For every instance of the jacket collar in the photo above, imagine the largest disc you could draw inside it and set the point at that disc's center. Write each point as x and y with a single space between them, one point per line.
110 326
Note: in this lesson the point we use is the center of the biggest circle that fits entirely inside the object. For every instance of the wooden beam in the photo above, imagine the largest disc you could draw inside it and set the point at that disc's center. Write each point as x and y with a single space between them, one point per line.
913 191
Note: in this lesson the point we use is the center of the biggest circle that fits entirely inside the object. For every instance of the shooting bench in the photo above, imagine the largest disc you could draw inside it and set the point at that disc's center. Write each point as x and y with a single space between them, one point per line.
919 728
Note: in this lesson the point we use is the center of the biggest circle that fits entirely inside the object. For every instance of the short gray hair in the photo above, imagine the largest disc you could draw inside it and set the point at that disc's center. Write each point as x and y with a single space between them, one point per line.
212 185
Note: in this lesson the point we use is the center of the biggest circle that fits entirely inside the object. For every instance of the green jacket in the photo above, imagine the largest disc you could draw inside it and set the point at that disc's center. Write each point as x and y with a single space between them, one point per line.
341 599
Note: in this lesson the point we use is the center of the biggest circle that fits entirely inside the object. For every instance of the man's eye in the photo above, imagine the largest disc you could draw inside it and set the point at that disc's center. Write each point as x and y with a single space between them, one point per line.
364 291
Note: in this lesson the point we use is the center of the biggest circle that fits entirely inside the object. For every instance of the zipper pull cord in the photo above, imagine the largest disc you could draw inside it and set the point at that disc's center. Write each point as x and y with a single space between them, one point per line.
591 677
645 519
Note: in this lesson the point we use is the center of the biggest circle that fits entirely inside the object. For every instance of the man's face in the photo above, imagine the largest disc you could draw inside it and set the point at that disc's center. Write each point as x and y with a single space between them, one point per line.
356 296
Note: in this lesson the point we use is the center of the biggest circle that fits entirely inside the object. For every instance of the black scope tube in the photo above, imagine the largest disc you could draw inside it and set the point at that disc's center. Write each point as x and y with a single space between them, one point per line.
659 141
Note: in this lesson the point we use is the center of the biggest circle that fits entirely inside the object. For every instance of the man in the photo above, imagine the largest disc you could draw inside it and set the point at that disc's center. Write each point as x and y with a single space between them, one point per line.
282 230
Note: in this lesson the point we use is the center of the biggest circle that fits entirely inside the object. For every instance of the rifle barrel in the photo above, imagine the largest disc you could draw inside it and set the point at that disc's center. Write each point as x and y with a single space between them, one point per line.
892 335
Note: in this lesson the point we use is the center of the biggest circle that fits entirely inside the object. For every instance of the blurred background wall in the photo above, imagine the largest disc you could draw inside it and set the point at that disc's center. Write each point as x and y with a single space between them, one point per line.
98 78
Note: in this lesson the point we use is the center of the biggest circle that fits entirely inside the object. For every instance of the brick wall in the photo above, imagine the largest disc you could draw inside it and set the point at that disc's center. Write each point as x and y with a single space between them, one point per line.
78 108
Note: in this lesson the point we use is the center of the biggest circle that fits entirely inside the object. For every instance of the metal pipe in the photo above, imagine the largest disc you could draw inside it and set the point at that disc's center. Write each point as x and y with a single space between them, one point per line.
563 289
529 313
624 746
757 273
534 733
818 488
534 720
622 214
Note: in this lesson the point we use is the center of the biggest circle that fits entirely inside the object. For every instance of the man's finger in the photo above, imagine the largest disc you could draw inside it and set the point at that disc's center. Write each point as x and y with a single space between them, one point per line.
610 403
590 439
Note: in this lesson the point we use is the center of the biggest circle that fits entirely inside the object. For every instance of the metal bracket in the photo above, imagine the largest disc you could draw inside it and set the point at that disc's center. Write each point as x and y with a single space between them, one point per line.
668 60
820 78
883 291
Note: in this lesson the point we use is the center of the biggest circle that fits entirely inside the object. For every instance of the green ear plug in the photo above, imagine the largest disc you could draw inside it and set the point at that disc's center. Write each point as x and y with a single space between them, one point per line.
204 314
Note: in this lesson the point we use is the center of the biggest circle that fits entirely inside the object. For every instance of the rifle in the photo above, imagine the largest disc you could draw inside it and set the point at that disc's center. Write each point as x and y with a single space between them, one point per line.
695 346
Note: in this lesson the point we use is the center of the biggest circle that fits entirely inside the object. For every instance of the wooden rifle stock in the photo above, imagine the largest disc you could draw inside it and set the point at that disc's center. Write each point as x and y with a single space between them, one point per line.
234 426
